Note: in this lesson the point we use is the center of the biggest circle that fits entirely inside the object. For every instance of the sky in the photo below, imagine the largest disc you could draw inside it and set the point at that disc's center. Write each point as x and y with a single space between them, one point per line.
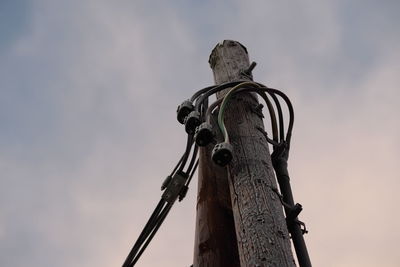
89 91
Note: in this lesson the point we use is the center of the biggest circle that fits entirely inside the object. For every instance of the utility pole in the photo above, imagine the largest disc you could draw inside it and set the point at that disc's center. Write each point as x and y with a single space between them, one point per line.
215 238
262 238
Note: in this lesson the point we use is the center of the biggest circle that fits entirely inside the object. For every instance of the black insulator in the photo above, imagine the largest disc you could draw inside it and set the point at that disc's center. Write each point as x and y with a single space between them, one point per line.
222 154
166 182
203 134
192 121
183 110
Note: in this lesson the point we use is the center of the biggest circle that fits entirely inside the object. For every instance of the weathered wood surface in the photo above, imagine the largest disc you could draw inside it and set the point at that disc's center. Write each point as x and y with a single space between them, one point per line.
215 239
261 231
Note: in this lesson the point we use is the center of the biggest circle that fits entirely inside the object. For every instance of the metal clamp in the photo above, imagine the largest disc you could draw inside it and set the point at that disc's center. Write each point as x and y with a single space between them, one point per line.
174 188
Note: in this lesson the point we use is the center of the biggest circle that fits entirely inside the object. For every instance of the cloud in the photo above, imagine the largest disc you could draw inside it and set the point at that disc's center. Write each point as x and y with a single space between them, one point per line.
89 92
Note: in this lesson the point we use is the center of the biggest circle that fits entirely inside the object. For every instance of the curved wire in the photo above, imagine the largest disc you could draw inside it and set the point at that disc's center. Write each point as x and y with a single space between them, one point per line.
145 232
216 89
223 105
272 116
290 108
211 109
177 165
280 116
192 161
192 173
270 109
157 214
187 152
200 92
162 209
161 219
266 89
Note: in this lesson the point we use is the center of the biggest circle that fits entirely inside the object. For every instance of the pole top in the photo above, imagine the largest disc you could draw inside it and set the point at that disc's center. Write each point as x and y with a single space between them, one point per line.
224 43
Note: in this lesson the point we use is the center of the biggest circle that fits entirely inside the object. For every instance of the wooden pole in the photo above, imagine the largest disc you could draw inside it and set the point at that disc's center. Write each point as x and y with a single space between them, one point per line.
215 238
261 232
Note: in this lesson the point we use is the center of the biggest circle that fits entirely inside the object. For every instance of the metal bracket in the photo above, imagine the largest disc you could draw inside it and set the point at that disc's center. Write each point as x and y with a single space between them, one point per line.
257 109
174 187
247 73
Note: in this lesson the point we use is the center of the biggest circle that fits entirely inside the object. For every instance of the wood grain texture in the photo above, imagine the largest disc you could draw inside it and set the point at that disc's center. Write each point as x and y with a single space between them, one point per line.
216 243
261 231
215 238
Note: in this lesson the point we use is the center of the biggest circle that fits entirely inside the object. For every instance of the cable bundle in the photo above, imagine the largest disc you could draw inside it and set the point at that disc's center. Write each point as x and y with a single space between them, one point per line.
195 114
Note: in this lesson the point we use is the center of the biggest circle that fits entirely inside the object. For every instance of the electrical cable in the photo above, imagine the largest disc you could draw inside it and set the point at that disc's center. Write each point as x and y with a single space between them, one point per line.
206 92
270 109
143 235
162 217
192 173
192 161
291 111
149 225
211 108
182 179
213 90
147 235
272 116
280 117
266 89
200 92
177 165
223 105
187 152
157 216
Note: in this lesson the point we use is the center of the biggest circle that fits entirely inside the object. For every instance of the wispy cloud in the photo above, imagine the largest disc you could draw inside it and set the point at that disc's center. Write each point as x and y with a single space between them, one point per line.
89 92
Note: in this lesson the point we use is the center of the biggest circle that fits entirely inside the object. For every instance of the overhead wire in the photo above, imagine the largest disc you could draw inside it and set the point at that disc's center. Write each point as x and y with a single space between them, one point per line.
192 161
201 105
161 219
144 234
280 116
162 208
192 172
200 99
189 144
223 105
258 89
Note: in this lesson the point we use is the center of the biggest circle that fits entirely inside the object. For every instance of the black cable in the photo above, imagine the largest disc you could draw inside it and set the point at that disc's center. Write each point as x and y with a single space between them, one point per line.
150 224
192 161
272 116
206 92
291 111
192 173
280 116
269 106
211 108
288 103
154 218
200 92
177 165
160 220
269 140
284 97
213 90
201 97
204 108
143 235
187 152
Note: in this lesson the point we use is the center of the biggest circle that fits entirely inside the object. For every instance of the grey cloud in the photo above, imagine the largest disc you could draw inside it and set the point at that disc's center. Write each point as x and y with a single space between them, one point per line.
87 110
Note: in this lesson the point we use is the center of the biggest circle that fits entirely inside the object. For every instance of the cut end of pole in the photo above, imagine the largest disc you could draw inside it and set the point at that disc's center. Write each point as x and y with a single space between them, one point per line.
227 43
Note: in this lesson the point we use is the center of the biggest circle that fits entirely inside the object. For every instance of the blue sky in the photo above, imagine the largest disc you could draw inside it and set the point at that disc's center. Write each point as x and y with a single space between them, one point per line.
89 92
